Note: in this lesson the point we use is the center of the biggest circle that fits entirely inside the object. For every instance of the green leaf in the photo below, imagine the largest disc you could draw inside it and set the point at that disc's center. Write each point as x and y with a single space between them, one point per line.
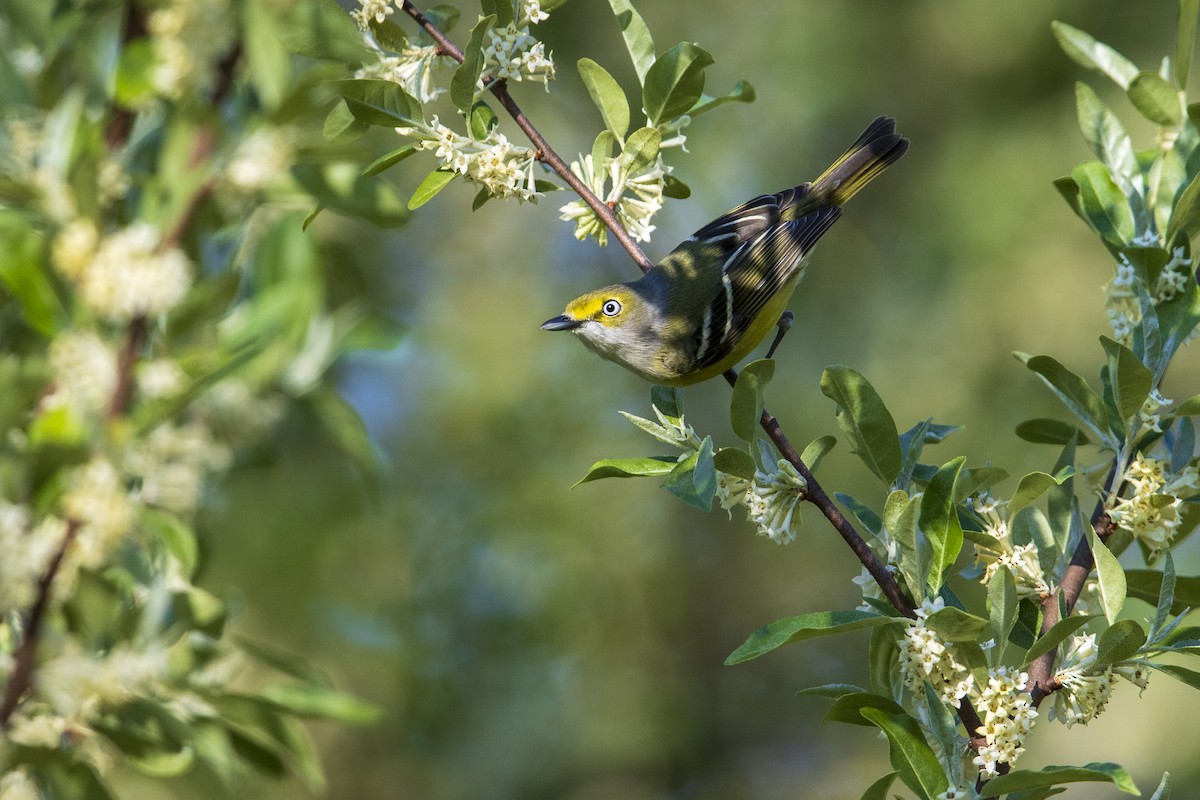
1120 642
178 538
322 703
1132 383
1188 408
864 418
502 9
939 521
1056 636
816 450
1104 205
1166 595
943 726
694 480
675 188
1050 431
483 119
1155 99
1147 584
1068 189
849 707
641 149
734 461
869 519
389 35
466 77
668 400
879 789
1110 577
746 406
831 690
434 182
1182 674
1002 608
1086 51
742 92
674 82
955 625
915 556
628 468
1163 792
911 755
1185 45
802 627
1073 391
389 160
24 275
1020 779
1033 486
637 37
379 102
1104 134
976 479
607 95
1185 216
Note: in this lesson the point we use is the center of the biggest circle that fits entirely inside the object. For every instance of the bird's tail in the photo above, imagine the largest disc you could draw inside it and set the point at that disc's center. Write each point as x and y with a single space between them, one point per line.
877 148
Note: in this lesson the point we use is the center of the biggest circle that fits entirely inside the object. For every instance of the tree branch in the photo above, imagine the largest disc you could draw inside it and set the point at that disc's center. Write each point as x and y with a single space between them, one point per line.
21 677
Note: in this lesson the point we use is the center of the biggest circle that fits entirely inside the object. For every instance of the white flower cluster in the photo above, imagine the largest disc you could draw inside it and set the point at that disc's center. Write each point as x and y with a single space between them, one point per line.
190 39
97 500
1001 553
635 197
127 275
1122 296
377 10
926 658
1084 691
1149 416
84 367
414 68
258 159
1152 512
1007 711
27 552
172 462
506 170
18 784
773 501
512 53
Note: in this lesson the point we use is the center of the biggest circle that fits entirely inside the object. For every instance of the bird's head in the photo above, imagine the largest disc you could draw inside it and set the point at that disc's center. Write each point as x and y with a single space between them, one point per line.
614 320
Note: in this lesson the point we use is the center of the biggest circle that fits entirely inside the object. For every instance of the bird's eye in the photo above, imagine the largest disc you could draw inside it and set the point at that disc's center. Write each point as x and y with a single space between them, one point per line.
611 308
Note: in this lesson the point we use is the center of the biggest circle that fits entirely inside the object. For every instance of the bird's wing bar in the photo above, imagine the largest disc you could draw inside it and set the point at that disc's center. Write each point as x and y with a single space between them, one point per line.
751 275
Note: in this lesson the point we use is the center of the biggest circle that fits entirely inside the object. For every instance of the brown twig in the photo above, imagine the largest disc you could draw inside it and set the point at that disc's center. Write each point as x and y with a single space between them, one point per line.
21 677
545 153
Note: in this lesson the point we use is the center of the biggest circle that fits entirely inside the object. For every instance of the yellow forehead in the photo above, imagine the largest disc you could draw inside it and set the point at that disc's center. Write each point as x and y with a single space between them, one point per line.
589 305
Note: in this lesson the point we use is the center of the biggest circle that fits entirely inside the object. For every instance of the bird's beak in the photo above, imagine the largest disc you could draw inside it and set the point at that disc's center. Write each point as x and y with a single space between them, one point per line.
561 323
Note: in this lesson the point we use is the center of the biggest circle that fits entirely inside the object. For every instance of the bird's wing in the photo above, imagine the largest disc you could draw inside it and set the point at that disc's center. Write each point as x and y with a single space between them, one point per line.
761 254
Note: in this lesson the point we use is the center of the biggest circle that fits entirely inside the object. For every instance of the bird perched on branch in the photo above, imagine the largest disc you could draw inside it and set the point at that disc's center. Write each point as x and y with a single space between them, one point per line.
715 297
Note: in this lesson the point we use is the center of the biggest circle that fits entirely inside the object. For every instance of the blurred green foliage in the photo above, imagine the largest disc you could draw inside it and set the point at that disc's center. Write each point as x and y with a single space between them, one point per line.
527 641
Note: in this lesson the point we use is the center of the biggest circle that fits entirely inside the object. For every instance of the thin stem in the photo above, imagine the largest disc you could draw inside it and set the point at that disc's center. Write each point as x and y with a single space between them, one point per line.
21 677
545 153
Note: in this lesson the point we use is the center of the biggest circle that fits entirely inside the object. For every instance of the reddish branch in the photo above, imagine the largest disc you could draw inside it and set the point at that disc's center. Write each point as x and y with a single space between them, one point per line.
815 493
21 677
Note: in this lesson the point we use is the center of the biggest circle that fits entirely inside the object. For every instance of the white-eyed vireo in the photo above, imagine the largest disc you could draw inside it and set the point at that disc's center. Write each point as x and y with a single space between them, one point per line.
716 296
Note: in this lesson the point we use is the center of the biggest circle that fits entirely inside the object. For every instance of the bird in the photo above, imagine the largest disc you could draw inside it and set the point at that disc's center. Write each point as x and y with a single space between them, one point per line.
707 304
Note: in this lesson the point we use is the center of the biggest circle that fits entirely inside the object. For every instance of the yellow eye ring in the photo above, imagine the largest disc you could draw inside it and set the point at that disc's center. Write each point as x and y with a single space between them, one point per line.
611 307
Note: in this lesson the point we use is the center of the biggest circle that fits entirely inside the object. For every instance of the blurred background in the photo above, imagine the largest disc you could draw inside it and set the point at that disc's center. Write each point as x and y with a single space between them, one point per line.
528 641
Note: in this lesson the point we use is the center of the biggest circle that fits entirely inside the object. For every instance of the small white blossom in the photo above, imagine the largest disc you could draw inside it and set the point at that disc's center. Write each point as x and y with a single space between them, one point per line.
774 501
1007 712
258 159
172 461
955 793
415 69
635 197
732 491
74 247
18 784
34 729
506 170
377 10
926 658
1000 553
27 552
190 38
130 277
160 378
1152 513
75 683
85 372
96 499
